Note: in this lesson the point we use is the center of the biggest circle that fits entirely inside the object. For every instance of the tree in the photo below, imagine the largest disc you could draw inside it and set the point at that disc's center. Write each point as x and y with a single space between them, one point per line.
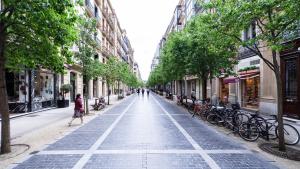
33 34
273 20
110 72
209 52
123 74
173 57
86 50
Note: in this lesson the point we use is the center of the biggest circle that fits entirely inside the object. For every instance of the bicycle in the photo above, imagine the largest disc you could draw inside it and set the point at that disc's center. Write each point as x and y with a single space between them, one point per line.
257 127
21 108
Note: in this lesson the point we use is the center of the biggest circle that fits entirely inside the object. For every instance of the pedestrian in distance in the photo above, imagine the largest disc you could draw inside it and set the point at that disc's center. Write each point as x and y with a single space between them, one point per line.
193 96
148 92
78 110
138 91
143 91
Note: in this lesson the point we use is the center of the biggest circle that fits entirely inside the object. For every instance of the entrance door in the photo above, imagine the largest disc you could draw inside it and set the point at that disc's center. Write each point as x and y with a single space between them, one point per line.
291 85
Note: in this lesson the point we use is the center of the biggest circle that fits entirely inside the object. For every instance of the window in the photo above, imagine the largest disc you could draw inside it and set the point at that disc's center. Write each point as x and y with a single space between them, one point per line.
250 32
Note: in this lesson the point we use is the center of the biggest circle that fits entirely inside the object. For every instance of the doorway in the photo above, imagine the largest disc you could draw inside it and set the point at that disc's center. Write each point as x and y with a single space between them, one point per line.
291 85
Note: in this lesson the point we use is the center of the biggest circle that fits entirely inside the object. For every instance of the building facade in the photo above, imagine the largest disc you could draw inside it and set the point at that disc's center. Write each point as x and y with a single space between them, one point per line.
39 89
254 87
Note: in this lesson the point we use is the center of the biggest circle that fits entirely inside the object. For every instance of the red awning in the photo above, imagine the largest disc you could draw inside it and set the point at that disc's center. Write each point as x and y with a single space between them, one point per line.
231 80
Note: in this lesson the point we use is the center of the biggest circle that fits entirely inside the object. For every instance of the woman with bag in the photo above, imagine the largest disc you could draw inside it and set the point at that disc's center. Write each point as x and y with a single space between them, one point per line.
78 110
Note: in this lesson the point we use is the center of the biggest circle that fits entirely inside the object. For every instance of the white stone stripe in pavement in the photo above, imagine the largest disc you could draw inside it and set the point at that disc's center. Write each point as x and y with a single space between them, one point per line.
84 159
212 164
145 151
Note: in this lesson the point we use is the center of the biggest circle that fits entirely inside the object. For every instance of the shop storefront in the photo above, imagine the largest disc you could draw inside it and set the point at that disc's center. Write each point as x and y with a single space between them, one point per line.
43 90
224 90
17 91
31 90
250 85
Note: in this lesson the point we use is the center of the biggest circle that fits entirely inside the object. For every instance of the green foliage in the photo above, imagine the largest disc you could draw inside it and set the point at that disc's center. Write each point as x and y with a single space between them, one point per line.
38 33
275 22
66 88
197 50
248 68
87 48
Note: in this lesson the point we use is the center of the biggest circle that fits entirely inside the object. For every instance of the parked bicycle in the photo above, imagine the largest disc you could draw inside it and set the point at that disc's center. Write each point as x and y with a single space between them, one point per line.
100 105
258 126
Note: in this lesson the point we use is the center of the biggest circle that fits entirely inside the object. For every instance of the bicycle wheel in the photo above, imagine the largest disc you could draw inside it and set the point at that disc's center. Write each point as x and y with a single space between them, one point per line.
190 109
213 119
291 134
272 132
240 118
249 131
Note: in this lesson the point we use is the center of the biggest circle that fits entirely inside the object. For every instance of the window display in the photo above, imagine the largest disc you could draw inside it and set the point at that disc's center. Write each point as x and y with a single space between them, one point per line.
251 92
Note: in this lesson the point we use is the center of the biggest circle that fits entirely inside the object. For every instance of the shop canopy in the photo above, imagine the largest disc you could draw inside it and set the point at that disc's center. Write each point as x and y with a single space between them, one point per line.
231 80
241 76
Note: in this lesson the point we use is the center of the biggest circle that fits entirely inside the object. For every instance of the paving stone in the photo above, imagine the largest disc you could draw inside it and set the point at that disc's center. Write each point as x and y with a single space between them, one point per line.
145 130
145 126
241 161
49 162
120 161
175 161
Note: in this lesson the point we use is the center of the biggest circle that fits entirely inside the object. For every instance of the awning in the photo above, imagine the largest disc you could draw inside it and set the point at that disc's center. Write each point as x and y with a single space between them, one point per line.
249 75
231 80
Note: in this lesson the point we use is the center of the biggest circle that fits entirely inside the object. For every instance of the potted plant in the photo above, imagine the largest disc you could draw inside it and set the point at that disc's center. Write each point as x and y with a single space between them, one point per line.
62 102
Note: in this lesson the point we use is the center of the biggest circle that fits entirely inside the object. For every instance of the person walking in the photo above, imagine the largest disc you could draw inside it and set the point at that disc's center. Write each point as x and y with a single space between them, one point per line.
78 110
193 96
143 91
148 91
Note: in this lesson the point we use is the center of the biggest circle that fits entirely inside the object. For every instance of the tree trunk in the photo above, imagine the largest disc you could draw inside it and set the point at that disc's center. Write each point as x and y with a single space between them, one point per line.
279 102
204 86
4 110
87 111
118 88
180 88
108 93
199 89
211 93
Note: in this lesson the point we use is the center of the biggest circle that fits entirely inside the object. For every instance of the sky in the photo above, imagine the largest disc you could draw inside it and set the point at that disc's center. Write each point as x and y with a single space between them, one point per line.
145 22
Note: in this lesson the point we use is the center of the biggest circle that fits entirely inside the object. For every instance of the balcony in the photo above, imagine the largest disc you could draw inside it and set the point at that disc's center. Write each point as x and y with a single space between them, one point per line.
119 51
245 53
105 51
105 11
98 19
112 51
198 8
180 15
110 38
110 20
98 42
89 7
104 31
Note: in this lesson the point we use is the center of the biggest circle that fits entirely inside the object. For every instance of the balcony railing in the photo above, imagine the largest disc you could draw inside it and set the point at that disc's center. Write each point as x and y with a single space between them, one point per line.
98 18
98 42
104 31
110 20
111 38
104 50
180 15
89 6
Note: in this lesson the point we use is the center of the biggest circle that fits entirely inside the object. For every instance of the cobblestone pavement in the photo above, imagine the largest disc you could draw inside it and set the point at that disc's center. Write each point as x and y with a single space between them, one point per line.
145 133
